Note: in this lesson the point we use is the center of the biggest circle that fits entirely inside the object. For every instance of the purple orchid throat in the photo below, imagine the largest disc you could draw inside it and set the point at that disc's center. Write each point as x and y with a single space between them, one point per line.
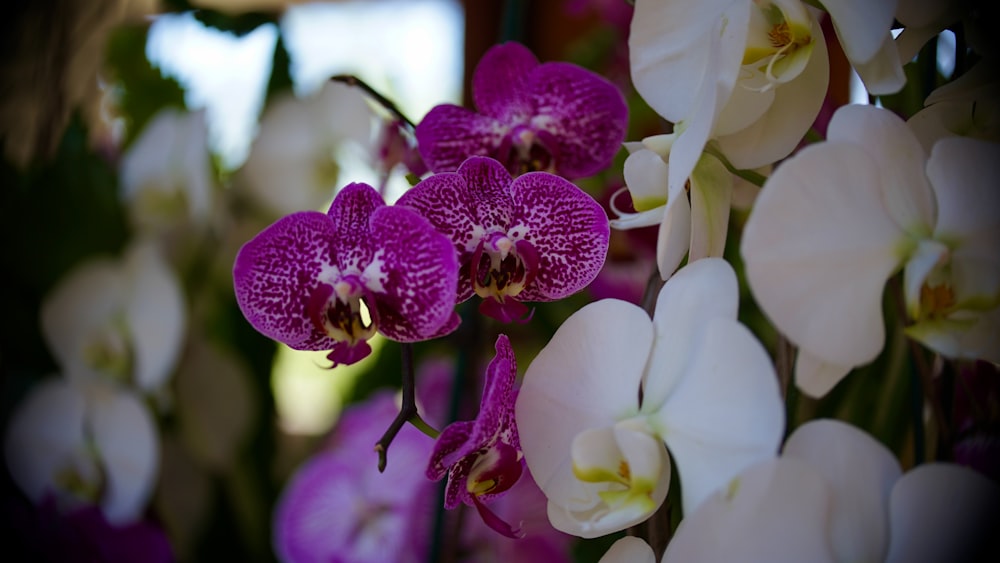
330 281
554 117
482 457
537 237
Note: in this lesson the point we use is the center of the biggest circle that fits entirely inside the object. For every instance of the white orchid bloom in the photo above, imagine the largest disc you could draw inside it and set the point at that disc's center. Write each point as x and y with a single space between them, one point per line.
967 107
166 175
838 495
84 442
294 161
119 319
835 221
709 395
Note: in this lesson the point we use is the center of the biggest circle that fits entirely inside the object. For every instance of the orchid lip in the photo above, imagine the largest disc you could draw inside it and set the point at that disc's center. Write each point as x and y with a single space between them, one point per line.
344 311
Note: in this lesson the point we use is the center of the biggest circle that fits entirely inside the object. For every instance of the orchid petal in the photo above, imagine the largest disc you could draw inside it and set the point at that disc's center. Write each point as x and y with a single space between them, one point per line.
774 511
819 249
906 193
699 293
626 221
928 255
129 447
816 377
45 435
571 235
674 238
861 473
861 25
711 193
629 549
964 173
156 315
883 73
449 134
646 178
501 82
943 512
725 414
566 389
970 336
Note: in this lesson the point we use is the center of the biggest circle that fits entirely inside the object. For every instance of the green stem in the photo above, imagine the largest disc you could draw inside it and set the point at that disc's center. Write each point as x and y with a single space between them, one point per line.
754 177
420 424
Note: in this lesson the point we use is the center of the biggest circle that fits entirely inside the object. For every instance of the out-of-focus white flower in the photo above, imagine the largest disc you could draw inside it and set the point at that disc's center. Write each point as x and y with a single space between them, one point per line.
119 319
166 175
834 222
84 442
966 107
708 392
293 163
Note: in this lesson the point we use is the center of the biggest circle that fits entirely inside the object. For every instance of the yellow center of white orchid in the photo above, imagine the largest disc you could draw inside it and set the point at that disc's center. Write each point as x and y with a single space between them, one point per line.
779 42
936 301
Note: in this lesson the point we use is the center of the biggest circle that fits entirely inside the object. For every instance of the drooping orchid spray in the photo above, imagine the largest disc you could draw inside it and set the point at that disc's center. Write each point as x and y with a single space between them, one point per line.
536 237
330 281
555 117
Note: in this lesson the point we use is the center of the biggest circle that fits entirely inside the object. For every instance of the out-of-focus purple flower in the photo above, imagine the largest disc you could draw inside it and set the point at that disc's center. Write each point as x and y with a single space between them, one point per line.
397 147
328 281
555 116
976 417
482 457
536 237
338 507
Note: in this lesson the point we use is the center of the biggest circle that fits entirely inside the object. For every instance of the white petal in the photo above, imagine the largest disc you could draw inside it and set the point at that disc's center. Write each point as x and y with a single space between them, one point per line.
940 513
978 84
965 334
818 249
674 237
922 13
726 412
775 511
745 106
778 131
629 549
80 307
883 73
816 377
646 178
156 315
965 174
587 376
861 472
687 303
928 255
45 436
861 25
885 137
711 194
127 442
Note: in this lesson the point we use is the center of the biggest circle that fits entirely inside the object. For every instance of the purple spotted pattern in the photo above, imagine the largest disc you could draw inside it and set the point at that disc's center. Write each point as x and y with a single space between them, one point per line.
483 457
559 232
555 117
404 270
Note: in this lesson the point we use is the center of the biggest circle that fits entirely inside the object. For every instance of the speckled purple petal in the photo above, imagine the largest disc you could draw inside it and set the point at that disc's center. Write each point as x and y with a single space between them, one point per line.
585 114
450 447
350 214
276 272
458 204
449 134
501 84
418 272
568 229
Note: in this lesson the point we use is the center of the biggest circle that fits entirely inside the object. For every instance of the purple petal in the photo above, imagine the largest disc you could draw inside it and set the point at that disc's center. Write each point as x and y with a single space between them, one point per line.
585 115
451 445
275 274
496 410
418 273
567 228
495 522
509 311
500 83
345 354
449 134
350 214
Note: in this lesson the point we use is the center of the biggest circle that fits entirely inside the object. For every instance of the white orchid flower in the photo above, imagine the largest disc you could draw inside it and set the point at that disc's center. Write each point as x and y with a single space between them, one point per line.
708 394
294 162
969 106
166 175
118 319
82 443
835 221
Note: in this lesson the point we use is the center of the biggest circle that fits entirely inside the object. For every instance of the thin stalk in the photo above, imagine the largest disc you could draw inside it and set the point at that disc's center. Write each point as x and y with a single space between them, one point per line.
386 103
406 412
752 176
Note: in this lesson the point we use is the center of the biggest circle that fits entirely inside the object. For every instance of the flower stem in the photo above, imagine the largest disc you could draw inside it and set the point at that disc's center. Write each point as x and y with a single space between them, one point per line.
420 424
755 178
386 103
407 411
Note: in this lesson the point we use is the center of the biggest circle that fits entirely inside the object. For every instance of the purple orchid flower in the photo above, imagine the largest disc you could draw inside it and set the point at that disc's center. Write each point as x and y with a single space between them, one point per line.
328 281
556 117
482 457
534 238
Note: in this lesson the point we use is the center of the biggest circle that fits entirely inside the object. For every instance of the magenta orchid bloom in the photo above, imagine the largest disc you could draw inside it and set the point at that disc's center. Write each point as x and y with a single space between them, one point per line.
482 457
328 281
537 237
555 116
